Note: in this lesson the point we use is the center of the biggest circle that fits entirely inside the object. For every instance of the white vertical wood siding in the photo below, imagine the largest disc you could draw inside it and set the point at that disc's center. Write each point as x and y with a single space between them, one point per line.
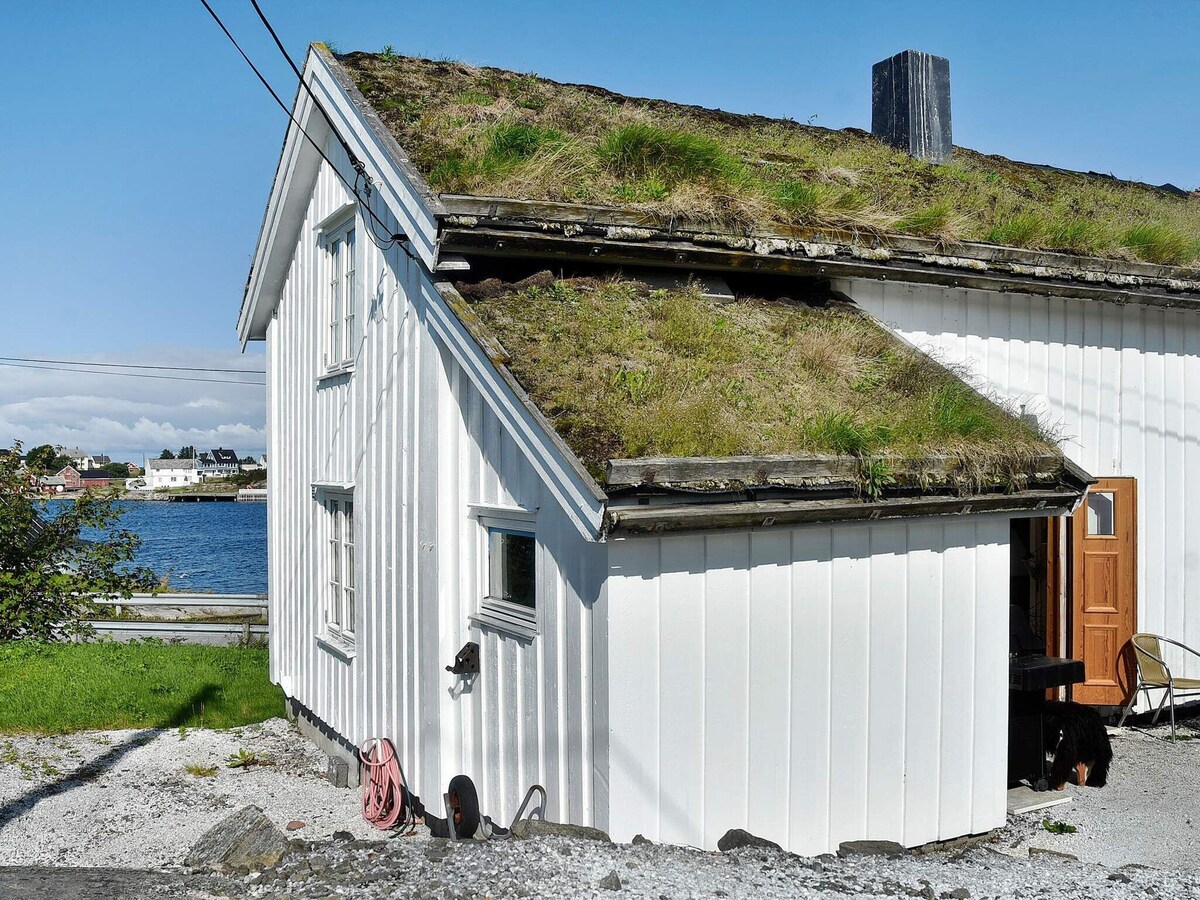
529 717
409 429
812 685
1120 382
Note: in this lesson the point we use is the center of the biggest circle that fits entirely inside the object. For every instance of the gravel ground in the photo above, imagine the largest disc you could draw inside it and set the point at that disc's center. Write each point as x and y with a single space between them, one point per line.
1146 815
124 798
557 867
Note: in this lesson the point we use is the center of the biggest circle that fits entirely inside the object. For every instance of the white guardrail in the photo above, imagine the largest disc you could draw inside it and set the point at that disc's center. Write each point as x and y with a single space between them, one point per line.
185 630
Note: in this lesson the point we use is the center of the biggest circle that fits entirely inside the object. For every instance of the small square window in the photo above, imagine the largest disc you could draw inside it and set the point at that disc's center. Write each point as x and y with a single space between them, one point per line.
507 565
512 570
1101 514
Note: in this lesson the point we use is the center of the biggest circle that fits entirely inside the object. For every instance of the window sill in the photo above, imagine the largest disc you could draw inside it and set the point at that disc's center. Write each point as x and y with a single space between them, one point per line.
337 646
331 372
510 618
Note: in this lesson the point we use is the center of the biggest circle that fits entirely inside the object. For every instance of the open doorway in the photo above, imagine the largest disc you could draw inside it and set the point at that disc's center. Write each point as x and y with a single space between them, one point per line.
1074 581
1034 582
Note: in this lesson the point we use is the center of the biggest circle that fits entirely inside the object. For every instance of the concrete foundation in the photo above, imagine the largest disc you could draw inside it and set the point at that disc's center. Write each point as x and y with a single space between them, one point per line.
343 756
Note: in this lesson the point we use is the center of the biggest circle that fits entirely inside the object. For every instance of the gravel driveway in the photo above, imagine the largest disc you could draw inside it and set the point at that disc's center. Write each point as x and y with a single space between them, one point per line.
124 798
1148 814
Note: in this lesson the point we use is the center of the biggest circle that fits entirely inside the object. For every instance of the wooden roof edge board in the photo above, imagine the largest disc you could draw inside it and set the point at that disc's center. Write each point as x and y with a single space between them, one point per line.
751 514
1076 474
381 132
767 470
458 206
497 242
499 357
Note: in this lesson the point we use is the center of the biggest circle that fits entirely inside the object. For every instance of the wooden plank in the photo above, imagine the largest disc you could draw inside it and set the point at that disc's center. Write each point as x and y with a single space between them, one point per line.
923 681
770 674
684 254
681 684
849 695
726 682
886 640
780 512
785 470
811 673
502 209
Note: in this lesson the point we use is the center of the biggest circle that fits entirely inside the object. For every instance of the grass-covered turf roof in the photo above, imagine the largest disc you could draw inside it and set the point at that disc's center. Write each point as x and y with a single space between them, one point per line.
623 371
490 132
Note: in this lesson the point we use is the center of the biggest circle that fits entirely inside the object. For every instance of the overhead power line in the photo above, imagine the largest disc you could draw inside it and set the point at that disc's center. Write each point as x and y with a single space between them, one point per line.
392 239
13 365
111 365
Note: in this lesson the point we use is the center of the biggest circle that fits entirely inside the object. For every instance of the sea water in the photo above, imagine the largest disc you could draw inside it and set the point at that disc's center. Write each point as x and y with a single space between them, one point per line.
217 547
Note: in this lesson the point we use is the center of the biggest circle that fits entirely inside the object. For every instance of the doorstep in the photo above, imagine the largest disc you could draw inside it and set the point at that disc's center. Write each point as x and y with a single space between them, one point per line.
1026 800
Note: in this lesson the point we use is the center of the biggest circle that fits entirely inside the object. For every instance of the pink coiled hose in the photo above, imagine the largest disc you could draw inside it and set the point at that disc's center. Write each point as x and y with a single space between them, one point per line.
385 798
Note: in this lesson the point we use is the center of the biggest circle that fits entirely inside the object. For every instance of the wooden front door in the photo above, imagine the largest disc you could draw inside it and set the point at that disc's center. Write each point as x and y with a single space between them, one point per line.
1104 590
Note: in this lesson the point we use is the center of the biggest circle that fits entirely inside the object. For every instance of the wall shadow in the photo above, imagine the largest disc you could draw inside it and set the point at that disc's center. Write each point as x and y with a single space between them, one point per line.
90 771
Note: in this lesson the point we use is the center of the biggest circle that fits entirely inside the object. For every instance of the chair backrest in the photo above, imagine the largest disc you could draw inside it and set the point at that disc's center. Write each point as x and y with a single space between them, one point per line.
1147 647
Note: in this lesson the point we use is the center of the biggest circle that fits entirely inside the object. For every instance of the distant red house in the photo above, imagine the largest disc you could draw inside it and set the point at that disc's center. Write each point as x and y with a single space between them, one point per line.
72 480
95 478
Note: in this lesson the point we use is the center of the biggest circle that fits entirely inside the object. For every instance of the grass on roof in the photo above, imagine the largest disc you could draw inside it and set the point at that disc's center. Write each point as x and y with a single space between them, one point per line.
490 132
624 371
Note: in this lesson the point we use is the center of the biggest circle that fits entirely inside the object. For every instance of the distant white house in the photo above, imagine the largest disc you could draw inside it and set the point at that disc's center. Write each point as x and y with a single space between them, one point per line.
82 460
169 473
218 463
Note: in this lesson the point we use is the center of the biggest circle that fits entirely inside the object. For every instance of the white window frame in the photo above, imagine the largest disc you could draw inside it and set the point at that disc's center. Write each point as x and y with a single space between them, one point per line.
340 264
495 612
340 529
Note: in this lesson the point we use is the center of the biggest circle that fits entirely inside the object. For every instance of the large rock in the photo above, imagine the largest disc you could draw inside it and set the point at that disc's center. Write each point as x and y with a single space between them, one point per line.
738 837
245 840
530 828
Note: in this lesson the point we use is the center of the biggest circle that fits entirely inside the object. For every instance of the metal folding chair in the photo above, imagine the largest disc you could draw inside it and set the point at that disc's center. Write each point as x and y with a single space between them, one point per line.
1155 674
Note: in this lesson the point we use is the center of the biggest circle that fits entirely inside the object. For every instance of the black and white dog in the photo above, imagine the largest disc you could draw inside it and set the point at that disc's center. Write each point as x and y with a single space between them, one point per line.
1078 737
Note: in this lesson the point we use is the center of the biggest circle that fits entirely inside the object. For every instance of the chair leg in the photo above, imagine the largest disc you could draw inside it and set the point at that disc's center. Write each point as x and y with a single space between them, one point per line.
1171 693
1129 706
1162 703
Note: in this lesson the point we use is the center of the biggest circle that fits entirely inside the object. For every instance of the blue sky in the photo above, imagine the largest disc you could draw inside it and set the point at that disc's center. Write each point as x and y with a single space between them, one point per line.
138 150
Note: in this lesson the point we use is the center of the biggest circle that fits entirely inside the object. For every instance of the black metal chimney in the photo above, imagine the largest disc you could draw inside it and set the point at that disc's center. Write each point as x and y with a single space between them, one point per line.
910 104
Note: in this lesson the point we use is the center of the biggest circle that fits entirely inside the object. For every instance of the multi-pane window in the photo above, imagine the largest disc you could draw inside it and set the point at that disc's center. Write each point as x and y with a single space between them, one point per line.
339 600
343 295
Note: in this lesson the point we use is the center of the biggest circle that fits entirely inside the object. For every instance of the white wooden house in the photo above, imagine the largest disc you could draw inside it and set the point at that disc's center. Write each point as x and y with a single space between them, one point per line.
706 641
171 473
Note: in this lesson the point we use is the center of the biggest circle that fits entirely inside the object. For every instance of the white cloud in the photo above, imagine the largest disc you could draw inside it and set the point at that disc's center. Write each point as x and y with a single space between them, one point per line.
128 417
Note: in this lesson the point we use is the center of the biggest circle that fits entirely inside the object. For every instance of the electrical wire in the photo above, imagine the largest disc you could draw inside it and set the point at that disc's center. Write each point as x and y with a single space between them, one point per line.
107 365
394 239
11 365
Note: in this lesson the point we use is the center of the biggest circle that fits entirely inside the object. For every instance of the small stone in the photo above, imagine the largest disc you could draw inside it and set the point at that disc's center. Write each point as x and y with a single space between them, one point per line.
439 849
735 838
631 865
295 825
611 881
1045 851
1121 877
869 848
957 894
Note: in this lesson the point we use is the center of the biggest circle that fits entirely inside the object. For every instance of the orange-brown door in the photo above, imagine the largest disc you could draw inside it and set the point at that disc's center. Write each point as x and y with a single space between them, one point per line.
1104 594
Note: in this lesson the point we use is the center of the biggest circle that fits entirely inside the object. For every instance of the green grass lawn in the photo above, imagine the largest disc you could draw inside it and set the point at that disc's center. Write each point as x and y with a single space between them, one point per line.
56 688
